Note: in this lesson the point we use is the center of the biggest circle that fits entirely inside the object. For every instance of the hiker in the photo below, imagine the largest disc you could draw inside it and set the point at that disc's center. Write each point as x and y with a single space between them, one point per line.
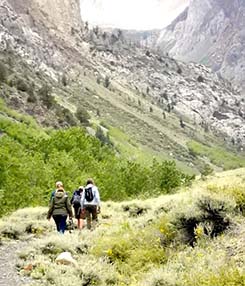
90 201
58 185
76 202
59 209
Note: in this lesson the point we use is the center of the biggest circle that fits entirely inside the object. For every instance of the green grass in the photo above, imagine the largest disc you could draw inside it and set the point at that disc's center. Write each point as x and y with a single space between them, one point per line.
217 155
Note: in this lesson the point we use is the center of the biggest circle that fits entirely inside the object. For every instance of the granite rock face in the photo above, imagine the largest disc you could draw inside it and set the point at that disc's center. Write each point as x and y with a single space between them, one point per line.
211 32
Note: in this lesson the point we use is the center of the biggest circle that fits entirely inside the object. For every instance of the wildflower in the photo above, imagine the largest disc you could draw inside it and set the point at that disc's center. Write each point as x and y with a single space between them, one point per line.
109 252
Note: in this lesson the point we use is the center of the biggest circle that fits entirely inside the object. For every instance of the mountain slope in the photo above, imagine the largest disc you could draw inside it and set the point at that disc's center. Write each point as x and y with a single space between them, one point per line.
158 102
212 33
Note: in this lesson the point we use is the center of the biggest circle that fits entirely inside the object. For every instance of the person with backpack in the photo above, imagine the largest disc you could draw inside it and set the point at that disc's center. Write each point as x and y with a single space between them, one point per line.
90 201
76 202
59 209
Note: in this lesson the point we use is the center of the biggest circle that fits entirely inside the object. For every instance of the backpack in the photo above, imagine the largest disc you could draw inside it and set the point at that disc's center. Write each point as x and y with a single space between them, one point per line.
76 201
89 196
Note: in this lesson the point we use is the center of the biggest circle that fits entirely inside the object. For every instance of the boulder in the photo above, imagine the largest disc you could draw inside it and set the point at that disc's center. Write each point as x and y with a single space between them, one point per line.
66 259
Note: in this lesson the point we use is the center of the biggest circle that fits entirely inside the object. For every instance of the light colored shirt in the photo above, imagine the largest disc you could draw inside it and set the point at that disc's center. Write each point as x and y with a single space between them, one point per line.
96 195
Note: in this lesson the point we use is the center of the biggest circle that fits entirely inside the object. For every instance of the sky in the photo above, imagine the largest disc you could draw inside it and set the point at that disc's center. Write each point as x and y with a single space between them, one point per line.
131 14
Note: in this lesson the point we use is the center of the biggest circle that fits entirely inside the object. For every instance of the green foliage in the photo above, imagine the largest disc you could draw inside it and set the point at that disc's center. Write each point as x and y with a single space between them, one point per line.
32 160
207 170
132 250
218 155
104 139
235 192
224 277
65 116
83 116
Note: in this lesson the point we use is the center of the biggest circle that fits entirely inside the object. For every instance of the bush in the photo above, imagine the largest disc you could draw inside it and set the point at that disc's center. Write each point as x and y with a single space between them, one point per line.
83 116
211 213
22 85
207 170
200 78
3 72
104 139
107 82
46 96
65 116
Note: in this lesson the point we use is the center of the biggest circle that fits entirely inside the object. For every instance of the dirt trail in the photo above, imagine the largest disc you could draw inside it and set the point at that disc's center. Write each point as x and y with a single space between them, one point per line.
8 259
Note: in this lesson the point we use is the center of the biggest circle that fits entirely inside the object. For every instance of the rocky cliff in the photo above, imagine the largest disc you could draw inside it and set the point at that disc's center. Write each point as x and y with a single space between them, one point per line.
59 16
211 32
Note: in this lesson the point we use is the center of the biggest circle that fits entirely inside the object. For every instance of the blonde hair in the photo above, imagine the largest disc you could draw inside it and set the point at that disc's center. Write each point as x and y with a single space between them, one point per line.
59 184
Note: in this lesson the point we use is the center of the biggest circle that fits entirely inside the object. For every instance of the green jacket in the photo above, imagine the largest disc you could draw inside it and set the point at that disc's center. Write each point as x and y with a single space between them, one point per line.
60 205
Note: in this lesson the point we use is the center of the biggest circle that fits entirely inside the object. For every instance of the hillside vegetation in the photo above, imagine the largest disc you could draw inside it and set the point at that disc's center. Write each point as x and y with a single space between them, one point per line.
33 159
193 237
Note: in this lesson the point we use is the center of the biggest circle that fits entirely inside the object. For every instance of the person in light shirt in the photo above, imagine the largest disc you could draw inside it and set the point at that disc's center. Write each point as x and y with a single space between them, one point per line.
90 202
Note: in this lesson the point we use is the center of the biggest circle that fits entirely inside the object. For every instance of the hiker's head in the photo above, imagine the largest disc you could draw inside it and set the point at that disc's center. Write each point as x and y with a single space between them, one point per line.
90 181
81 188
59 185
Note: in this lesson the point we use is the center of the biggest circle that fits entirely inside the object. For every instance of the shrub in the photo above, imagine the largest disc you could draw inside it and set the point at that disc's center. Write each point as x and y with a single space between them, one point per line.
22 85
32 98
210 212
83 116
65 116
104 139
3 72
200 78
64 80
107 82
46 96
206 170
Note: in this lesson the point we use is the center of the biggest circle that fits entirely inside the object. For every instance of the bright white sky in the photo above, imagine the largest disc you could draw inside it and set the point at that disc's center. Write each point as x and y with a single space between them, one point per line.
131 14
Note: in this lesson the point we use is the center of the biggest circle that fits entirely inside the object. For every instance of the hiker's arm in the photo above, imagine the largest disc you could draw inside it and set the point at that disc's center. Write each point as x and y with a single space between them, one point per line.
68 207
71 201
82 199
51 208
97 198
97 195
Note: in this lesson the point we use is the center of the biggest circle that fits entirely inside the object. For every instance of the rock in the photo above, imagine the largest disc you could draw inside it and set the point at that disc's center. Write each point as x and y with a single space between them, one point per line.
211 32
66 259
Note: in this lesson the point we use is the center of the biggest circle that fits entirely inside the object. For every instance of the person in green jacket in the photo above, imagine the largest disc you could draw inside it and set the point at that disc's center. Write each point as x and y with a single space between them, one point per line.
59 209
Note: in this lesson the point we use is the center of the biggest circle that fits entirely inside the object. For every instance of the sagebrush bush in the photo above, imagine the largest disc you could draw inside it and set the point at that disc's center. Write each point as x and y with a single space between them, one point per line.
236 192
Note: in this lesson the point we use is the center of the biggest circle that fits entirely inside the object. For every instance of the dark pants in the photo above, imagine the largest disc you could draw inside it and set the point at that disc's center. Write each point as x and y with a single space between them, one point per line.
60 221
91 214
77 210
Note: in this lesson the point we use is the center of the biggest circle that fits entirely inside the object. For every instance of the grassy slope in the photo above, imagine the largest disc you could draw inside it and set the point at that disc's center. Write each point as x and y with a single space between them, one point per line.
157 137
119 108
148 249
